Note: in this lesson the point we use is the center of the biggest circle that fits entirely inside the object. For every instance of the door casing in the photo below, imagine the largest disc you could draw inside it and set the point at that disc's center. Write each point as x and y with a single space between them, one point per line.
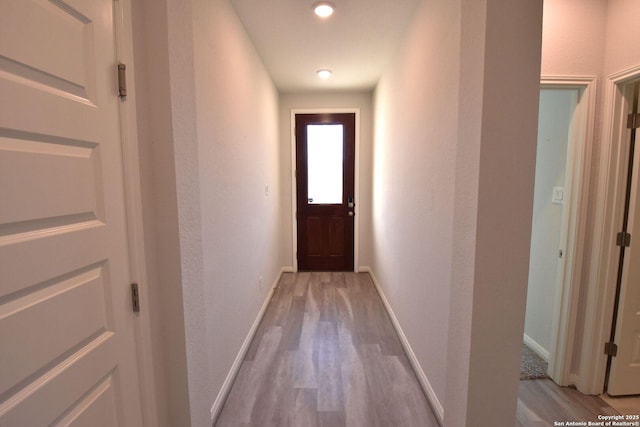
577 177
294 200
133 211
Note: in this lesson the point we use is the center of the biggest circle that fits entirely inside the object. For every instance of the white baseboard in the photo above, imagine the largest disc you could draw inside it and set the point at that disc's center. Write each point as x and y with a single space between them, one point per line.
575 380
533 345
413 360
364 269
235 368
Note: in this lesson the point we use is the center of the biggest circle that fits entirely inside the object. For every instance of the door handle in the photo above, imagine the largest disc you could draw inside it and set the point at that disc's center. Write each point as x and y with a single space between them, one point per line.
351 213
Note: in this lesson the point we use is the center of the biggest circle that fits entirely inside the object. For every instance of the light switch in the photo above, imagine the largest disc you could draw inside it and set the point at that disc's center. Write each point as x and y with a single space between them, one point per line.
558 196
266 189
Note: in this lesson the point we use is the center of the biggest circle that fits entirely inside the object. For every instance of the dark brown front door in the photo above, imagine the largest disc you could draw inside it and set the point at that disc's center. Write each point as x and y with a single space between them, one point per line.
325 171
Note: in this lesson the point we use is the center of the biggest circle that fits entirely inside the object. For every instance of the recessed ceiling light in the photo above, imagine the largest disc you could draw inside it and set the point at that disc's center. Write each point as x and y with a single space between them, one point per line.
324 74
324 9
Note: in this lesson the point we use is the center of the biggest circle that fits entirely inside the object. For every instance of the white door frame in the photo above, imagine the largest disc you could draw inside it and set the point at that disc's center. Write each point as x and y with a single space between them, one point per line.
294 197
574 218
133 197
611 181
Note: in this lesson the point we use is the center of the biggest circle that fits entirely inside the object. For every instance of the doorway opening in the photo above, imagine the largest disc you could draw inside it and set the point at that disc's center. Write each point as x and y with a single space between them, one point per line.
325 151
565 138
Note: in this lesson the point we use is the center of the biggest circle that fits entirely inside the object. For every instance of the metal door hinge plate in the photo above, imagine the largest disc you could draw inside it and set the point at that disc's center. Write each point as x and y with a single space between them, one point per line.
611 349
623 239
633 121
135 298
122 80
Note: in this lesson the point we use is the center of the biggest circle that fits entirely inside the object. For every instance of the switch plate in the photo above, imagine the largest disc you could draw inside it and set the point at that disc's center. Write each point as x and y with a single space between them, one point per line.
558 196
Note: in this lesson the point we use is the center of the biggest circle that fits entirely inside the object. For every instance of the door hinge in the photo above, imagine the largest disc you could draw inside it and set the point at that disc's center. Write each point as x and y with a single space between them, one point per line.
122 80
623 239
633 121
135 298
610 349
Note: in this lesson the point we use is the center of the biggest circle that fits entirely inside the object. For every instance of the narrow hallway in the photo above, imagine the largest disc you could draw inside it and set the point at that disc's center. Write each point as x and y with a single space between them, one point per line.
326 354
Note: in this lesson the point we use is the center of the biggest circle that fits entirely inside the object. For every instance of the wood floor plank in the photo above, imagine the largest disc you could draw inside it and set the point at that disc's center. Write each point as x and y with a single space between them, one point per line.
331 419
542 402
326 354
330 392
292 324
305 369
357 403
305 410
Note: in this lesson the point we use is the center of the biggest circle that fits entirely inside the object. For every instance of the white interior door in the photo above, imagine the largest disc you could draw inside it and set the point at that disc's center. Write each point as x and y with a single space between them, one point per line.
67 354
624 377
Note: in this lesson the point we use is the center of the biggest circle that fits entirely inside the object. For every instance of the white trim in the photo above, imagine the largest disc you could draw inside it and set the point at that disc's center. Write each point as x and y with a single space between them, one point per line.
294 199
574 218
574 379
413 360
600 297
133 197
237 363
536 347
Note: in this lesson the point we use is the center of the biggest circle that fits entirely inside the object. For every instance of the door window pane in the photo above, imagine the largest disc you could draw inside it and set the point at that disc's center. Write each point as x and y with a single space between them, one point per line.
324 164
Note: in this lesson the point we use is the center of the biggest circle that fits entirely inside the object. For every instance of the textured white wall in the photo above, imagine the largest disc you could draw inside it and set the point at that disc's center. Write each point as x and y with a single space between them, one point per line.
166 132
320 100
555 113
622 49
573 37
499 83
451 256
413 182
209 144
238 154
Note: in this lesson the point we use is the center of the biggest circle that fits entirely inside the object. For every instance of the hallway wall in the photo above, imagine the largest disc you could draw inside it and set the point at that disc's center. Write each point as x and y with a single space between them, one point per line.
621 50
209 145
239 172
451 207
320 100
416 111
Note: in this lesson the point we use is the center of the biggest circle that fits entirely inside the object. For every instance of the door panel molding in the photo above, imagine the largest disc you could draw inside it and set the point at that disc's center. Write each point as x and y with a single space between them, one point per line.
294 197
64 303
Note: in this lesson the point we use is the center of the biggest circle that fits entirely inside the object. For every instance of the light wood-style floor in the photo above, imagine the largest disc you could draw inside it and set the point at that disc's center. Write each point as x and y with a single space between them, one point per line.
326 354
542 402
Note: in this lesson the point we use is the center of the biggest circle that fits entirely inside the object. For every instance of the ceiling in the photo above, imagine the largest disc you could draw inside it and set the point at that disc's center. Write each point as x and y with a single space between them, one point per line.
356 42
